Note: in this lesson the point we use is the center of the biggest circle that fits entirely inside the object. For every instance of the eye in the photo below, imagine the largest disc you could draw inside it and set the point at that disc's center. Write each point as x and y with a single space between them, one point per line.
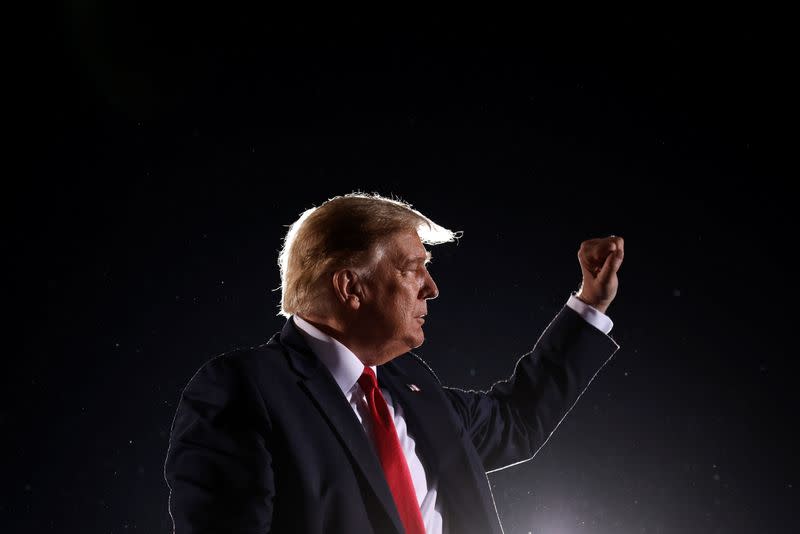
416 272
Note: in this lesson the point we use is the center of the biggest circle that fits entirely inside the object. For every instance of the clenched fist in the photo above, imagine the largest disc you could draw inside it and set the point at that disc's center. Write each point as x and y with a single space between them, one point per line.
600 260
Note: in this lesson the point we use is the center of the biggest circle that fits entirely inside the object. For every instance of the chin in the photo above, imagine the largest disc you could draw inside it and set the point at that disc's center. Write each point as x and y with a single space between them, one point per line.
416 341
413 338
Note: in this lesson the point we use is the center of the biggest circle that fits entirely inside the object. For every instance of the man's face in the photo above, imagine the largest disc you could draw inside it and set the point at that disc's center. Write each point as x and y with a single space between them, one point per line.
395 298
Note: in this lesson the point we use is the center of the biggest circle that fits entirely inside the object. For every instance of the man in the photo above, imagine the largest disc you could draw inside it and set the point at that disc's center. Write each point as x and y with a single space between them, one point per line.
296 435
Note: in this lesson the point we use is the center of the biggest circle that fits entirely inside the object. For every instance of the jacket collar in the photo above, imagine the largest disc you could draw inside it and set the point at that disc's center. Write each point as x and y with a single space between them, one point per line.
328 398
428 421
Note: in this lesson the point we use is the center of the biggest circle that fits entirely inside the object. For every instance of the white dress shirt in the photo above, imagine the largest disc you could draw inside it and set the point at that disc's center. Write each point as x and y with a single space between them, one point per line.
346 368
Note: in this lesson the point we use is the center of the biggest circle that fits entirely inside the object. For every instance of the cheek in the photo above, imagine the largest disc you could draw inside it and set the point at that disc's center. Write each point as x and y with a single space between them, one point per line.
410 305
402 309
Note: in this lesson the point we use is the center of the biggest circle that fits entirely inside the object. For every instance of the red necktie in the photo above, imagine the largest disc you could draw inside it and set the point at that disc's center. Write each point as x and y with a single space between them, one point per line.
391 455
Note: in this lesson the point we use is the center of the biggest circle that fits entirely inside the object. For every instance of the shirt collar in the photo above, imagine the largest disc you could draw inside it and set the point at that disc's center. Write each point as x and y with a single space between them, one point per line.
344 366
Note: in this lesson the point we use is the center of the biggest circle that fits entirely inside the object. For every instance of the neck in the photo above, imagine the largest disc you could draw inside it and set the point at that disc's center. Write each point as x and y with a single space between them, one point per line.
338 330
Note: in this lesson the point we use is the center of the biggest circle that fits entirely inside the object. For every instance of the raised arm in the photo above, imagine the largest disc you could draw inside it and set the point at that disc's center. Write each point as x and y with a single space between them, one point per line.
510 422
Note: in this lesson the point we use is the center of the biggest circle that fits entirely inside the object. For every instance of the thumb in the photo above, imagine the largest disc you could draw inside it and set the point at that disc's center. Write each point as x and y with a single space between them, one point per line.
611 265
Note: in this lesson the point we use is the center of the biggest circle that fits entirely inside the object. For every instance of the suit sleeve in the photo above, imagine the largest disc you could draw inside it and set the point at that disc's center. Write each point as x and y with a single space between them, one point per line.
218 466
510 422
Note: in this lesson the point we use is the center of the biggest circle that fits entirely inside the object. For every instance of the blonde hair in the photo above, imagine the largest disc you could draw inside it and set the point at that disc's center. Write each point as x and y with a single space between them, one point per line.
343 232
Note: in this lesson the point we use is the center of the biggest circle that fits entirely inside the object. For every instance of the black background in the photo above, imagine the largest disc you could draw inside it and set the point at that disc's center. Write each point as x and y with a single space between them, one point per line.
166 151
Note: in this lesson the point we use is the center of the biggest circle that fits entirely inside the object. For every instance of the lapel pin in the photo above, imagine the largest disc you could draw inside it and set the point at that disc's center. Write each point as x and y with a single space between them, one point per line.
413 387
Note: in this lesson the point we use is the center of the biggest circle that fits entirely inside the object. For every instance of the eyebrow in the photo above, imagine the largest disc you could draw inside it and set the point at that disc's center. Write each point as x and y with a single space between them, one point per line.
418 259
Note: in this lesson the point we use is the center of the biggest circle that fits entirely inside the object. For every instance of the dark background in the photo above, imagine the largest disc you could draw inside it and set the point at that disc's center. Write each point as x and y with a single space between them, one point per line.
166 151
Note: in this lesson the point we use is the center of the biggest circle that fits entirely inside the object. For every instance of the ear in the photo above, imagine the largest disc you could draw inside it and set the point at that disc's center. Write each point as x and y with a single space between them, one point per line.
348 288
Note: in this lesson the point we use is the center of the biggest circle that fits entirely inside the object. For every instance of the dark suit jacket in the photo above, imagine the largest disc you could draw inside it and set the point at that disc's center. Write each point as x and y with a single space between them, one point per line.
263 439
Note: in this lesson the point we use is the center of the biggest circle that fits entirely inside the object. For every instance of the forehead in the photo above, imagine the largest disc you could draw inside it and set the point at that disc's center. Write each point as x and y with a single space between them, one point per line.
405 246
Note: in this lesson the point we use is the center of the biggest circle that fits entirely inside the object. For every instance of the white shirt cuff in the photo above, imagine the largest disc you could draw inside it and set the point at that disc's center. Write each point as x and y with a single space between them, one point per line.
591 315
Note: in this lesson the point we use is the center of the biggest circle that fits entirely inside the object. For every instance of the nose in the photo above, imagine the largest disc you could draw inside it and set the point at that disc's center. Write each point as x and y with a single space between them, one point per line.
429 290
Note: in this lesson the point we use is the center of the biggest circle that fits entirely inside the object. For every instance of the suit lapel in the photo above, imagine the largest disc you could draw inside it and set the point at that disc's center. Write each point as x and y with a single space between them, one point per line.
429 423
425 417
323 390
461 479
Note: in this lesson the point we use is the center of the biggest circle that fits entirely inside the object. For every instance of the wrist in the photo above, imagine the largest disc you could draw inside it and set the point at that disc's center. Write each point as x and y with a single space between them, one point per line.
599 306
